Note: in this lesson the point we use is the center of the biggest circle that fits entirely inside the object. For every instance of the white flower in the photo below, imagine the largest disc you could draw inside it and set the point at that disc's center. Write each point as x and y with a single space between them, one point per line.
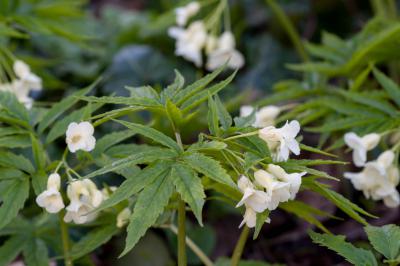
281 140
190 42
123 217
84 198
107 191
23 72
265 116
51 199
378 179
255 199
277 190
225 52
183 14
360 146
293 179
80 137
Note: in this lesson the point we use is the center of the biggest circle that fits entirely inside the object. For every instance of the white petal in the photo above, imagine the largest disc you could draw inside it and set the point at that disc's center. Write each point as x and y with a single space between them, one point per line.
291 129
87 128
293 146
370 141
353 141
386 158
359 156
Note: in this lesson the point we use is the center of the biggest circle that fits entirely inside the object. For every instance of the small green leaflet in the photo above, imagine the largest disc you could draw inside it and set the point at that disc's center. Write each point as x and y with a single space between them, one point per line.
35 252
189 186
209 167
150 204
385 239
356 256
389 85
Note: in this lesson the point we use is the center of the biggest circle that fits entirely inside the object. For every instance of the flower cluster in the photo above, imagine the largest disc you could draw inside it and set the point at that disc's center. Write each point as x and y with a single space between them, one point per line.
271 187
23 84
379 178
84 196
191 41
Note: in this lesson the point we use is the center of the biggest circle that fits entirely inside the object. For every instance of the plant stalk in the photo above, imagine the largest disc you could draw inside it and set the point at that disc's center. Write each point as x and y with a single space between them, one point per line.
289 28
196 250
182 260
65 240
237 252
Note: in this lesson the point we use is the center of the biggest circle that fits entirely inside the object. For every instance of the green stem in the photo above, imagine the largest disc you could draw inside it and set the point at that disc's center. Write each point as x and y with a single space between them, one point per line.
182 260
65 240
242 135
196 250
237 252
289 28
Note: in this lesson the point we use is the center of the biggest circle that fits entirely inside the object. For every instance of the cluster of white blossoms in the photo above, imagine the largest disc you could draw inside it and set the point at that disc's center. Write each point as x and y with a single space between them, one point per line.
271 187
281 141
191 41
23 84
264 117
379 179
84 196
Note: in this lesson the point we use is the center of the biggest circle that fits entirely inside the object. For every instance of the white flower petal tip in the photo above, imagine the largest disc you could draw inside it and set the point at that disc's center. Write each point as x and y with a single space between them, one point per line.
265 116
51 199
361 145
183 14
281 141
80 137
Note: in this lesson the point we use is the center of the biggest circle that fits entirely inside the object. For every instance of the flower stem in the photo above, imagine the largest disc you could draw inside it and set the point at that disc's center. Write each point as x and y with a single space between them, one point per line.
242 135
289 28
196 250
65 240
182 260
237 252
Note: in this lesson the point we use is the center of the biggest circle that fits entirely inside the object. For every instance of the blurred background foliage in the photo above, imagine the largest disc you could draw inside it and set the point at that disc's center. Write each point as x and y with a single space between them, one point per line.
70 43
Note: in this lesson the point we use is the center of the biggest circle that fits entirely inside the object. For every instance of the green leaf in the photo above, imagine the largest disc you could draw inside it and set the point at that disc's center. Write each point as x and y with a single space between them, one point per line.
110 140
15 141
131 101
13 199
306 212
260 221
202 96
9 102
207 145
10 249
39 155
36 253
385 239
198 85
93 240
389 85
209 167
59 108
136 183
174 88
143 92
149 155
212 117
224 117
8 159
151 133
344 123
150 204
189 186
174 113
356 256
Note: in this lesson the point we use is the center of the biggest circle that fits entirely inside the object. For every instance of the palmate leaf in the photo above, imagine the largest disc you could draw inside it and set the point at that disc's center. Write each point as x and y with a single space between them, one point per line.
147 156
35 252
136 183
356 256
208 167
385 239
13 199
151 133
189 186
149 205
59 108
94 239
